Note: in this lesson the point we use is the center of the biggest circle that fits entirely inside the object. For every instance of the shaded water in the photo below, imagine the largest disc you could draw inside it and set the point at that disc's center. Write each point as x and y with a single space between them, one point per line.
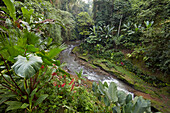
74 66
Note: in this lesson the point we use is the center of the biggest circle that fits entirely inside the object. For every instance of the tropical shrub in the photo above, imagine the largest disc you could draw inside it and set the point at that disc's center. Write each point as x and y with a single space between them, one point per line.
24 81
158 51
68 94
118 101
117 56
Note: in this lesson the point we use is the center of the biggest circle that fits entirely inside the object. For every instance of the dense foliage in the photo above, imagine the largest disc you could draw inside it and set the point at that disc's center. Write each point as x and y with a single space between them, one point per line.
84 22
31 36
141 26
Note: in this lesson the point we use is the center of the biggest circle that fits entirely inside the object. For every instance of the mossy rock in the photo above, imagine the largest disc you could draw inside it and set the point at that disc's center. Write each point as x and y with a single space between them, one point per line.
101 65
75 50
83 58
92 66
85 53
159 106
112 71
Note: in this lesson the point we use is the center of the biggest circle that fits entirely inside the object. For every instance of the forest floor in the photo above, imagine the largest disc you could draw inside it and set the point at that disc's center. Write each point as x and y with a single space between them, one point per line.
159 97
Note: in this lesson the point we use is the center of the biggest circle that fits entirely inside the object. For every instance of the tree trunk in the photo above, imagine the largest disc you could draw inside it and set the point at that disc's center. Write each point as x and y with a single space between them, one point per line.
119 25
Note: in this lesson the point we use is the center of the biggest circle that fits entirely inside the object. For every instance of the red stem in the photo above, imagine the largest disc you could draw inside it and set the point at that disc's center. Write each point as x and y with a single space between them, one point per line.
26 84
9 88
25 52
12 90
7 80
31 85
40 78
10 75
35 79
45 84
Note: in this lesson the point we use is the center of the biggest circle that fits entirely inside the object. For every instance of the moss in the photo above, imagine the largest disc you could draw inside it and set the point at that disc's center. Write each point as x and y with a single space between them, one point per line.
159 106
140 88
101 65
114 72
98 61
93 66
75 50
85 53
141 65
83 58
126 76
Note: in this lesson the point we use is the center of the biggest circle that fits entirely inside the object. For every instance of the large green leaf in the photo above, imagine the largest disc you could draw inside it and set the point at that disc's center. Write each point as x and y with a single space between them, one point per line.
25 105
13 105
10 6
101 88
56 51
113 92
27 68
16 105
32 94
128 98
3 100
41 99
116 109
128 107
27 13
31 37
106 101
141 105
121 97
31 48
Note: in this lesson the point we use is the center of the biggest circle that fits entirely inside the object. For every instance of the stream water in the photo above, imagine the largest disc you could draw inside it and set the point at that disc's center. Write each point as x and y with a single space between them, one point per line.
74 66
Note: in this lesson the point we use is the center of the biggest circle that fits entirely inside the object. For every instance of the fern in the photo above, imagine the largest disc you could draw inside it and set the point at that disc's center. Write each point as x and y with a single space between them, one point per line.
11 8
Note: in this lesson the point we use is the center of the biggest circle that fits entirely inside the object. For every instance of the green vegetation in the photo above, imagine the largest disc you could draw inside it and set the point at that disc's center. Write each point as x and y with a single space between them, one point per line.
84 22
126 38
138 39
110 96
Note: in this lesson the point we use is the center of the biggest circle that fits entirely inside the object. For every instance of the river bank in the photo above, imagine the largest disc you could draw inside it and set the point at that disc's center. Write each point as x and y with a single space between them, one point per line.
158 96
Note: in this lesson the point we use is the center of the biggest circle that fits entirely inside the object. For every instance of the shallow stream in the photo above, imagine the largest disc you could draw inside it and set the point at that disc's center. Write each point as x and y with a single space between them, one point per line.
74 66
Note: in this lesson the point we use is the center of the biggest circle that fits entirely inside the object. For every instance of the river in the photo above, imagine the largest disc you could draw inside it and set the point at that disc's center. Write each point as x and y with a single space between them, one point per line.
73 66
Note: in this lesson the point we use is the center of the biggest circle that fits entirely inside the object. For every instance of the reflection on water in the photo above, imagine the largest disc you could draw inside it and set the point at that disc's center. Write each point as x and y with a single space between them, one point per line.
73 66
